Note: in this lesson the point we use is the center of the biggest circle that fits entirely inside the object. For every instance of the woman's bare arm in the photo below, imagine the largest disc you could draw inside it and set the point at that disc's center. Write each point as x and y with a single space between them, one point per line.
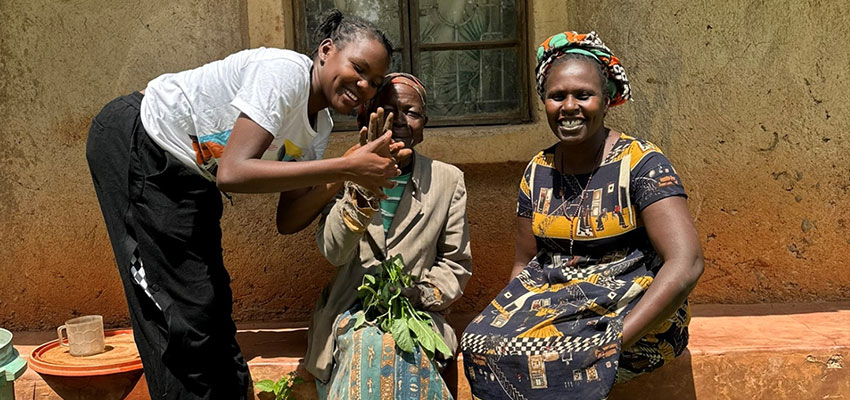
242 170
296 209
673 235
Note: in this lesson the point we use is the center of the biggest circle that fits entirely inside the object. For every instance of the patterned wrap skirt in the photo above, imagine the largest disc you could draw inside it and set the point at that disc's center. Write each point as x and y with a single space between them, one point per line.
555 331
368 365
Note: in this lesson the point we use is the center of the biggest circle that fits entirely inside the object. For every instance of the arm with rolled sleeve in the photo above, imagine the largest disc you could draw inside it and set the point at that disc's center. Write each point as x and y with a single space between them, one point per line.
443 283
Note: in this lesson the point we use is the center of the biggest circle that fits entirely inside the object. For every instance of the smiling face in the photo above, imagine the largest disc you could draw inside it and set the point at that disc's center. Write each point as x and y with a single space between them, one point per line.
409 117
351 74
574 101
408 111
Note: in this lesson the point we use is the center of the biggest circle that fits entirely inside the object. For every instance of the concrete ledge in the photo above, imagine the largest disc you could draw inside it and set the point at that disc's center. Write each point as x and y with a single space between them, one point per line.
771 351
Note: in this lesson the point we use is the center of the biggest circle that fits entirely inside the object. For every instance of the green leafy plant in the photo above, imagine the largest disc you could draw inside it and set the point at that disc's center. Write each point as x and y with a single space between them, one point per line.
391 312
282 389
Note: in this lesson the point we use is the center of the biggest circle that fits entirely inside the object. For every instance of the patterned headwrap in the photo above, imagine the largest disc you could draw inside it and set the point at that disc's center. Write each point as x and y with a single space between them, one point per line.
587 44
395 78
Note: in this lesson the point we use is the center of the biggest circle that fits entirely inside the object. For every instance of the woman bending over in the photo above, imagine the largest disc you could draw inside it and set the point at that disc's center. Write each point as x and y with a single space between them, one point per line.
160 157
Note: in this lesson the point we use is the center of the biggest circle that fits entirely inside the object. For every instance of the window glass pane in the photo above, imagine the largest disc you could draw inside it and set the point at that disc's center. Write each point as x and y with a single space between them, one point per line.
442 21
464 86
469 82
384 14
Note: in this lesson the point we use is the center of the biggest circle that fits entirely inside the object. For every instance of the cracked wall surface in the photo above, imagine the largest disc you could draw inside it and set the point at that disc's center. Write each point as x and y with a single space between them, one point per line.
748 101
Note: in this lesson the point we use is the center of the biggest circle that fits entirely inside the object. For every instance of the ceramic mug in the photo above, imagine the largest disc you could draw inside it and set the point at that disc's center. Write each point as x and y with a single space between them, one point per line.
84 334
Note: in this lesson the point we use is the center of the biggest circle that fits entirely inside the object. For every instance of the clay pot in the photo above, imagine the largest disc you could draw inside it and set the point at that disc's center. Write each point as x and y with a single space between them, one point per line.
106 376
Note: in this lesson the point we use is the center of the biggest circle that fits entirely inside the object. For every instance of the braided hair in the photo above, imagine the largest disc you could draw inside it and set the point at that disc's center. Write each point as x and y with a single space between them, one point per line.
343 29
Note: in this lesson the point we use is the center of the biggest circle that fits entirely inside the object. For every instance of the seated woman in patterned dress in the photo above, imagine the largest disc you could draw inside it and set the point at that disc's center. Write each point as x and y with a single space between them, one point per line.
424 220
606 251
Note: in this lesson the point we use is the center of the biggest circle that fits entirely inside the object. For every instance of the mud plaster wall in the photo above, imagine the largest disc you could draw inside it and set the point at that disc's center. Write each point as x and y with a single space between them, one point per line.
749 101
745 100
60 62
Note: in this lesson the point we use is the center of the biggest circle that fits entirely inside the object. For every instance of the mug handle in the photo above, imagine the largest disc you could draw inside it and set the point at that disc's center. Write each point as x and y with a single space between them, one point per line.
59 333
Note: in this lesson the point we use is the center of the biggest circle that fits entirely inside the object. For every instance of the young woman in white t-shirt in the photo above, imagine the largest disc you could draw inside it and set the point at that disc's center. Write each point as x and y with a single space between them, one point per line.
158 163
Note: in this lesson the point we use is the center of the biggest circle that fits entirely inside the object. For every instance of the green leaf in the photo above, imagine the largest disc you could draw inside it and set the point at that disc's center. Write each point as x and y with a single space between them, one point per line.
393 273
397 261
423 334
265 385
278 386
361 318
441 345
429 354
370 279
401 335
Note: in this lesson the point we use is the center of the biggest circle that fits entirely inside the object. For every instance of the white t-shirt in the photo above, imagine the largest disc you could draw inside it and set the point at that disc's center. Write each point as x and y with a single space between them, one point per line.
190 114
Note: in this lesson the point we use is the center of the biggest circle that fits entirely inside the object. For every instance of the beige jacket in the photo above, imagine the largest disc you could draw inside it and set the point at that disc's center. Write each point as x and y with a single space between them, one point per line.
429 230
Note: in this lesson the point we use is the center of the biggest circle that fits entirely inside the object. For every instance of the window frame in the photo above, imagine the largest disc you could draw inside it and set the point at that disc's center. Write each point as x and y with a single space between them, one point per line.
411 48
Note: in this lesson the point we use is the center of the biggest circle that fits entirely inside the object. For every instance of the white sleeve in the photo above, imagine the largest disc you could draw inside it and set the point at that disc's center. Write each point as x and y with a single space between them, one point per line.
268 89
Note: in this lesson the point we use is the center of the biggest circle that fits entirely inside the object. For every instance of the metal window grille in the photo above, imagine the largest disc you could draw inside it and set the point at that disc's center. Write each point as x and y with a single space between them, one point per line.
471 55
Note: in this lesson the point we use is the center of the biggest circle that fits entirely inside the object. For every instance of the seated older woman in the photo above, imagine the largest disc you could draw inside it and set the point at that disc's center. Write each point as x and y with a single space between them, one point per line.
423 219
606 250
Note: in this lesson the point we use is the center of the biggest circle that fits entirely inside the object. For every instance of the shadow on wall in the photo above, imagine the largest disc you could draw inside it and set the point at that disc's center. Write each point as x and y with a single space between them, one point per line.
674 381
272 344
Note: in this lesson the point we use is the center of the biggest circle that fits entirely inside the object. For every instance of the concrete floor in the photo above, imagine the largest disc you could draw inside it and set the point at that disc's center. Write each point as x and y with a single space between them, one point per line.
767 351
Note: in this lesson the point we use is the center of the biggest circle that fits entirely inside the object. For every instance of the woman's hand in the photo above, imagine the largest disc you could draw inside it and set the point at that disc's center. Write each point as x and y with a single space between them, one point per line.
242 170
372 165
379 125
376 140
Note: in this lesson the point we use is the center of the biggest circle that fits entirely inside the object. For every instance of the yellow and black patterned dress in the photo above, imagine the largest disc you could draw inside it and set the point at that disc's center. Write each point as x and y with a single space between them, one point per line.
555 331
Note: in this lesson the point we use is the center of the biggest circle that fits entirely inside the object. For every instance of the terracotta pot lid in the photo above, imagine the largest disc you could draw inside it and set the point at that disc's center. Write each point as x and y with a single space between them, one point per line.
120 356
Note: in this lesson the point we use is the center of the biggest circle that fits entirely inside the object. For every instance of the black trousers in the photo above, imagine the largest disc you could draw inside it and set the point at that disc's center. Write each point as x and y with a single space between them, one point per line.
161 212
